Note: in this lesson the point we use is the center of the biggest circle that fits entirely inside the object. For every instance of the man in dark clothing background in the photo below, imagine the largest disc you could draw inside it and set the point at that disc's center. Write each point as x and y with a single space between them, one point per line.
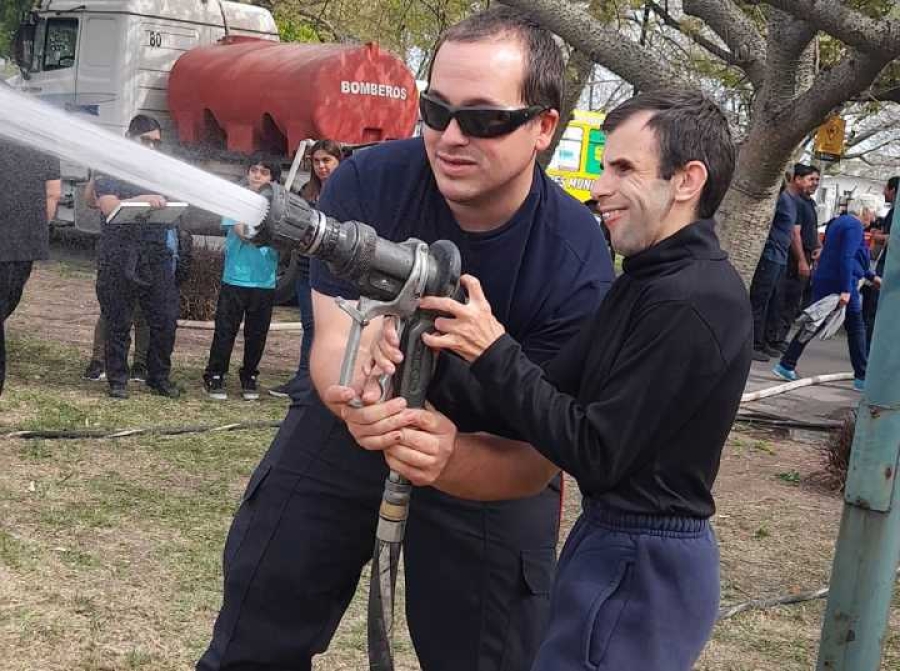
29 192
637 407
477 574
880 235
135 263
784 236
793 294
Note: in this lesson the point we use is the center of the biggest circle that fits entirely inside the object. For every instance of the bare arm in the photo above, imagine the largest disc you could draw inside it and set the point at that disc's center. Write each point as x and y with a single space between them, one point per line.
797 251
424 447
485 468
240 230
880 237
54 191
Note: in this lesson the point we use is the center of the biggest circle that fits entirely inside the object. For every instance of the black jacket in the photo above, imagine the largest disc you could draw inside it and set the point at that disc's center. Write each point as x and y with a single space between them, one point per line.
638 406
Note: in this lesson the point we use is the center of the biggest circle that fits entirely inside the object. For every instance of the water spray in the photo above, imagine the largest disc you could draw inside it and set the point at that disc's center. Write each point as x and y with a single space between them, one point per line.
390 276
28 121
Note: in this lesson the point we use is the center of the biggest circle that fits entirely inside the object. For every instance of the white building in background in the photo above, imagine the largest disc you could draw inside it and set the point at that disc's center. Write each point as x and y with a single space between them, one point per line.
835 190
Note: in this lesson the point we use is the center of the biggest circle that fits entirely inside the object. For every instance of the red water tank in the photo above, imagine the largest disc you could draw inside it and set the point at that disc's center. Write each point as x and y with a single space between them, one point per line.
246 94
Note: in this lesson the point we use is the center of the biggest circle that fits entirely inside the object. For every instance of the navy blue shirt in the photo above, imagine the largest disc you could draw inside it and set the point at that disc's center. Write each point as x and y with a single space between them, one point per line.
808 218
779 241
24 174
544 272
115 237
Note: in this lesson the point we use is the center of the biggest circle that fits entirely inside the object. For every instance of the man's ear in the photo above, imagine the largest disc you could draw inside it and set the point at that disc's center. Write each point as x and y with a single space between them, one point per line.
548 122
689 182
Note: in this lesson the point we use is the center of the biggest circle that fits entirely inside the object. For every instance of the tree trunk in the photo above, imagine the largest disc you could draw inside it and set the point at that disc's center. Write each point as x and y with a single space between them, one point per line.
579 69
746 212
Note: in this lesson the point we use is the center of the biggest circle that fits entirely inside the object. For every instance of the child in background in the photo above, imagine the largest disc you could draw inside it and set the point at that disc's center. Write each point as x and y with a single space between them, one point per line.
247 293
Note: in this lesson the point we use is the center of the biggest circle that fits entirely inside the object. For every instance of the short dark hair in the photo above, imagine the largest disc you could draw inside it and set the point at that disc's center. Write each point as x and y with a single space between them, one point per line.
803 170
266 161
544 81
893 182
142 124
689 127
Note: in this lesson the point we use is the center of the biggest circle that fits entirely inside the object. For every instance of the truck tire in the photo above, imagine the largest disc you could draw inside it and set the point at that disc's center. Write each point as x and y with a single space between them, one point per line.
285 287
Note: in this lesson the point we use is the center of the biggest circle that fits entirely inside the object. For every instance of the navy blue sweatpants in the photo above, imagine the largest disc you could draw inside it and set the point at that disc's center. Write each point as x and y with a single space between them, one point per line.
632 593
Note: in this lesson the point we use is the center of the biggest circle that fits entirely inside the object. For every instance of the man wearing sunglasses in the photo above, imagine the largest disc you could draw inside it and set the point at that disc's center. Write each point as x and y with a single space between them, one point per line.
478 575
135 265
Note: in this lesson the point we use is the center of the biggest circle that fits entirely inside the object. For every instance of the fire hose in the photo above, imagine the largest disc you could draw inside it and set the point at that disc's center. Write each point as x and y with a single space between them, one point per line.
391 277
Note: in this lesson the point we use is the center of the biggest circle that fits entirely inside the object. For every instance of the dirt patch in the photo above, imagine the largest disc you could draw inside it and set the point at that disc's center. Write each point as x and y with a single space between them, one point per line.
60 304
110 551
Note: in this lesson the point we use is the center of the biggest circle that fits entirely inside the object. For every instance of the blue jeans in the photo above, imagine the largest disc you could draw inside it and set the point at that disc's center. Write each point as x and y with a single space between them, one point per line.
869 309
856 344
764 301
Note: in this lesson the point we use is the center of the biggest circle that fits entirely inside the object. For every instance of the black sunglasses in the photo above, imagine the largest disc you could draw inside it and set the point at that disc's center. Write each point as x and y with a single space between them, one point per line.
475 121
150 142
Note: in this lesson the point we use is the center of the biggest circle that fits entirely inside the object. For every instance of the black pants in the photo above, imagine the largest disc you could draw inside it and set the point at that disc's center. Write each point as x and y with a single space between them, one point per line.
792 297
478 575
764 301
13 276
118 289
254 306
869 310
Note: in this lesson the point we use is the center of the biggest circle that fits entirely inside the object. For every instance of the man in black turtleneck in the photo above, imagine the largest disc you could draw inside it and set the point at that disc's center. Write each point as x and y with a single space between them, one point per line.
637 407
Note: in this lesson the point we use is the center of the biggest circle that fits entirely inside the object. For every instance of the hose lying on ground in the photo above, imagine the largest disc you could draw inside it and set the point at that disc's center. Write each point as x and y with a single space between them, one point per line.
796 384
149 430
63 434
211 326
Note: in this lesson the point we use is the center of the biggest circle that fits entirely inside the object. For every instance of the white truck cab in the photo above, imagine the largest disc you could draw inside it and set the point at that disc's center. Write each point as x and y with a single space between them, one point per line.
110 59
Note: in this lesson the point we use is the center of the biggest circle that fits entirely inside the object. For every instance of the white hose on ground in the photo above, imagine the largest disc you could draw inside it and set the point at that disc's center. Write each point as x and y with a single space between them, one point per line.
796 384
211 326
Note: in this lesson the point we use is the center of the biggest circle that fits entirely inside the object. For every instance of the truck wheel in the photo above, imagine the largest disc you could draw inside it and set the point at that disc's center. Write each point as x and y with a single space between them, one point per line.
285 286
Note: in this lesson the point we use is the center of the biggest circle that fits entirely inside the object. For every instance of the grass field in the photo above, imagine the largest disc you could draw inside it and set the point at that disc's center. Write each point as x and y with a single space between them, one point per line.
110 549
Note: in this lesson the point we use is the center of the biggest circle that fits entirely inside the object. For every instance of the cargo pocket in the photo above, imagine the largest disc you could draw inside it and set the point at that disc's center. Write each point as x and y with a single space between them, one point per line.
537 571
529 608
244 516
604 614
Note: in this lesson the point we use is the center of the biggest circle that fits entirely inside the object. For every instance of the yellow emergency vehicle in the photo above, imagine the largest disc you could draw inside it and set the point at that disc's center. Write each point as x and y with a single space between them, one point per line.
578 159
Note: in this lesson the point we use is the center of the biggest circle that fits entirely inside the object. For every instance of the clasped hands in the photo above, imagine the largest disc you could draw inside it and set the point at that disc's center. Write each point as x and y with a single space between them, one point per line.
417 442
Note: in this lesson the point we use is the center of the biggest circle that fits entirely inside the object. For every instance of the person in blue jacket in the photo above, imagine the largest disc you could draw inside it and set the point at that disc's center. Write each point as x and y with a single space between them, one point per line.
247 294
844 262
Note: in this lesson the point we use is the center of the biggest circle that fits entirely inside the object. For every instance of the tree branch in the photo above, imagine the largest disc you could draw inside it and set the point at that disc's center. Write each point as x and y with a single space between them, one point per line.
601 44
877 36
736 30
830 89
318 20
787 40
860 154
707 44
891 94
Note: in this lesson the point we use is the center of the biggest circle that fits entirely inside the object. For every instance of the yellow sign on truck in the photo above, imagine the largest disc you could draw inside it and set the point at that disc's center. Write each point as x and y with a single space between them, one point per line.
578 159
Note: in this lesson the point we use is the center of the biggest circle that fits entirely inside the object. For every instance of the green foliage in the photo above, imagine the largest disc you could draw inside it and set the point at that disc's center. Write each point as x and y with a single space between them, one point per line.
408 28
791 477
293 29
10 14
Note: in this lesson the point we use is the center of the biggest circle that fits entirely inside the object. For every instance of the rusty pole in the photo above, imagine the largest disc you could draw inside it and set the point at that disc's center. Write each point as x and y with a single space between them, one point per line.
868 546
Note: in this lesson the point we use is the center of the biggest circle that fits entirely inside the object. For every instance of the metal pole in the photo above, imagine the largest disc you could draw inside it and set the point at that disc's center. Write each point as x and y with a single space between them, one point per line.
868 546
